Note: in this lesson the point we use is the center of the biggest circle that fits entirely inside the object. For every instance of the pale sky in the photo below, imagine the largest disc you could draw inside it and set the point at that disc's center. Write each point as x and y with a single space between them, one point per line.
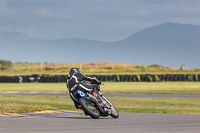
101 20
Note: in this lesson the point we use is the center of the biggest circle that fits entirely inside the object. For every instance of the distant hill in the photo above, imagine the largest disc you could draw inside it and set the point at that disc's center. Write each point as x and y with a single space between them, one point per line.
5 35
169 42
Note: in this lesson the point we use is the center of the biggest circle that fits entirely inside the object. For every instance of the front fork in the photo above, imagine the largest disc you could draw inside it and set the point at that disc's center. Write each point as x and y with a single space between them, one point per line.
93 99
105 99
106 104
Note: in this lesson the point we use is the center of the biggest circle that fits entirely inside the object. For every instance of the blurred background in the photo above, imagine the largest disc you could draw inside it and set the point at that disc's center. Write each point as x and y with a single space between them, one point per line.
165 33
134 46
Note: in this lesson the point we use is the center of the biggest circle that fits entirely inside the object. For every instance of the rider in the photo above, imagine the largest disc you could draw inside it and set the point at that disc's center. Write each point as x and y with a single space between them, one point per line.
75 82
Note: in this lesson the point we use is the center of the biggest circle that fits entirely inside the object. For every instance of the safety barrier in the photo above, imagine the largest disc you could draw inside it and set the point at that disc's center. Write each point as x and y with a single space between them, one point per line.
104 78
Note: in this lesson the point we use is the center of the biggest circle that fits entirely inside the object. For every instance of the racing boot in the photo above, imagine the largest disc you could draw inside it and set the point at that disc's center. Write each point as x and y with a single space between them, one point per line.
79 107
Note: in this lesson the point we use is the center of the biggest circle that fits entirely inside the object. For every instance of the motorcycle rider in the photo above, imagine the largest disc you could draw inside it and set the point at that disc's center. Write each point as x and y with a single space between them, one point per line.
75 82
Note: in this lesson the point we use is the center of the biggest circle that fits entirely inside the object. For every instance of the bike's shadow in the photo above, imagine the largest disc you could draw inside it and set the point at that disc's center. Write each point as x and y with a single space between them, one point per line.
81 118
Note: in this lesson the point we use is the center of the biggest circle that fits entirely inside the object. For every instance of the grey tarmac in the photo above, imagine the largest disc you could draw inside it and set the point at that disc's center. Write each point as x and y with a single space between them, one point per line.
126 123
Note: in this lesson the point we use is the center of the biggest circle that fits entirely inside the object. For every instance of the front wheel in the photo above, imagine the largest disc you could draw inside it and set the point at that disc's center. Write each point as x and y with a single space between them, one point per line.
114 112
89 108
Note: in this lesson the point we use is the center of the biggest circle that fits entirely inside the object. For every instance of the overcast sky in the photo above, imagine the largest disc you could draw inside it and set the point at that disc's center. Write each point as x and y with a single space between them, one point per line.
102 20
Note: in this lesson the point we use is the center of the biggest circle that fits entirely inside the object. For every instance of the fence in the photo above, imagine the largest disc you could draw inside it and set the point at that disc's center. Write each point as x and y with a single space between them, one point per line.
104 78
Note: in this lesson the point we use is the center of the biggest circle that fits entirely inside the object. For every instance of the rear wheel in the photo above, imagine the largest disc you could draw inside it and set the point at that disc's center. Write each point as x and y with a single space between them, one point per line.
89 108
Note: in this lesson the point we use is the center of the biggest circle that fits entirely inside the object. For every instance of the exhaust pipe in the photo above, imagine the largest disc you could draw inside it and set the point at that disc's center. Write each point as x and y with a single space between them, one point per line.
93 99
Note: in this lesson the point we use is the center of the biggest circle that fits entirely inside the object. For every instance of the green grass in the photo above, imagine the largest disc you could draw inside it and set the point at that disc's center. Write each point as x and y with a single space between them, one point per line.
118 87
22 108
157 105
15 103
41 87
125 105
153 87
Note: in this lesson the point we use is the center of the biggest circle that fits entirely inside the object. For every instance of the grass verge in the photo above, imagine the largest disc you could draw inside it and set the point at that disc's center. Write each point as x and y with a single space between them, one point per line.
22 108
26 103
118 87
157 105
125 105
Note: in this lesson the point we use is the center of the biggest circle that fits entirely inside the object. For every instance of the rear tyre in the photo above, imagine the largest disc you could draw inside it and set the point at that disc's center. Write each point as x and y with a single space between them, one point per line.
89 109
114 112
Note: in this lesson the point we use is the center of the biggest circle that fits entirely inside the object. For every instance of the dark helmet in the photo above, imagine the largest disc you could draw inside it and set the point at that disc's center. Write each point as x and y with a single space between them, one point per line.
73 71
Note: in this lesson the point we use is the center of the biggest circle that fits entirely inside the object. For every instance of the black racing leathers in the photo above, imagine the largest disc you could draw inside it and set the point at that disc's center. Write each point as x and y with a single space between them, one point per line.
75 82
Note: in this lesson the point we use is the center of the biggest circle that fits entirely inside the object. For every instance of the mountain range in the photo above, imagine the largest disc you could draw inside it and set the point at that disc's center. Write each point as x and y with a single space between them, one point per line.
169 42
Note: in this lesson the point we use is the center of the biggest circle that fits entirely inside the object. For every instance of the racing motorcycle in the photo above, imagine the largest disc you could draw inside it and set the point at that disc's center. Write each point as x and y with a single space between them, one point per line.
93 107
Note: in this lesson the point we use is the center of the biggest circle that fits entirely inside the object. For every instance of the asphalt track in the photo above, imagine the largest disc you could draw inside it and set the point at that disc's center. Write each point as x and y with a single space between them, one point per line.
73 122
106 94
76 122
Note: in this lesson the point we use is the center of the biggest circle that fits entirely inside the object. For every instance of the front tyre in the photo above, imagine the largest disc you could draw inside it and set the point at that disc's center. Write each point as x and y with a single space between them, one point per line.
89 108
114 112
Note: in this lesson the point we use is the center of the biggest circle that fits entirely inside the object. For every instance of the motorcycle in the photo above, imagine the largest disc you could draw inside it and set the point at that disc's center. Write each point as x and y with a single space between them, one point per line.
93 107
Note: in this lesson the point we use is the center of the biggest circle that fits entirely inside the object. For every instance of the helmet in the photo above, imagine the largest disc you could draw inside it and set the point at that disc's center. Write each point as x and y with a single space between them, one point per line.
73 71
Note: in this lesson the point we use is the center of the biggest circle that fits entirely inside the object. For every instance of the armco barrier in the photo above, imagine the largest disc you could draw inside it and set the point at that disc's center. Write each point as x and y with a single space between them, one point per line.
104 78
